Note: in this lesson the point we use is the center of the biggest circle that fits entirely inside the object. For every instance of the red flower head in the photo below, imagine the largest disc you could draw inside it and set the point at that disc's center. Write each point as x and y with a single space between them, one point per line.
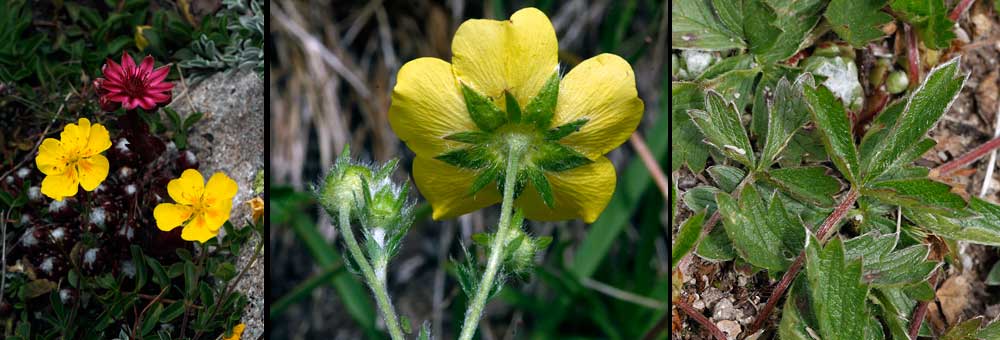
133 86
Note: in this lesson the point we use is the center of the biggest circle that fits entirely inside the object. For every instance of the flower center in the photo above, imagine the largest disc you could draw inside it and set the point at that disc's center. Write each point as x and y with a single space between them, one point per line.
134 85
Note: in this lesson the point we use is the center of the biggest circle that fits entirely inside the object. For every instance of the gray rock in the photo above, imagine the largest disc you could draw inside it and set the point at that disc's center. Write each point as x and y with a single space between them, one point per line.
230 138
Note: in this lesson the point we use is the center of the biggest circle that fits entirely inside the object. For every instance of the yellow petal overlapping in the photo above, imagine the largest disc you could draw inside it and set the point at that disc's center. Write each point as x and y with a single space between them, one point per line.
201 208
517 56
74 160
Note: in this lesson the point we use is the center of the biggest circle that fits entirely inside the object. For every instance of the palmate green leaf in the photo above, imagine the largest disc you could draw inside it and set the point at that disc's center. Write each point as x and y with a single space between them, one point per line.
921 193
694 25
764 91
885 267
923 109
786 113
685 139
810 184
835 130
687 238
929 18
765 236
991 331
857 21
776 29
836 291
730 12
720 123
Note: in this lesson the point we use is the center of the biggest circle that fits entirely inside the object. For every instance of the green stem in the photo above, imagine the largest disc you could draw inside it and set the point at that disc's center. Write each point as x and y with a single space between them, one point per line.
475 310
377 286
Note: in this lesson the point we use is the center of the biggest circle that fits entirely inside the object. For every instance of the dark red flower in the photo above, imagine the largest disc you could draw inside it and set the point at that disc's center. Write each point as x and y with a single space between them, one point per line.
133 86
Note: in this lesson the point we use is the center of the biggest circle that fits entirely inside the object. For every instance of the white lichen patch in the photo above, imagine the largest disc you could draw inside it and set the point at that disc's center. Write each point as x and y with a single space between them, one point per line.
122 145
98 216
47 265
90 256
23 172
34 193
130 189
57 205
128 268
29 240
65 295
59 234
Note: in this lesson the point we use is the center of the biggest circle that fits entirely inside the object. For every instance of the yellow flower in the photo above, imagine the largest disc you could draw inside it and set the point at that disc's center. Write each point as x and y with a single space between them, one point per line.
74 160
237 331
201 208
568 124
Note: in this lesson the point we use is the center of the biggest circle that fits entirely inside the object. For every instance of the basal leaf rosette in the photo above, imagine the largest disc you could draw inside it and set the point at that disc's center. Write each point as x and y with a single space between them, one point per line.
201 208
503 97
74 159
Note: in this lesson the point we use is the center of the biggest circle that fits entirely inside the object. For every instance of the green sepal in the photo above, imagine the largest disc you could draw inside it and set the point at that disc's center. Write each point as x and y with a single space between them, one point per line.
540 110
513 109
474 157
469 137
542 186
519 183
482 110
485 177
565 129
556 157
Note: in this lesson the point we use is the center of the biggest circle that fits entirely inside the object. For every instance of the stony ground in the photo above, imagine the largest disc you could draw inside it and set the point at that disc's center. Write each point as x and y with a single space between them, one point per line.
230 138
730 296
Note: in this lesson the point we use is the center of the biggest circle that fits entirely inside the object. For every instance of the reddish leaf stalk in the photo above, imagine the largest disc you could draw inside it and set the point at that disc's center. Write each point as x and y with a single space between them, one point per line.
701 319
967 158
913 54
920 312
793 270
961 8
640 147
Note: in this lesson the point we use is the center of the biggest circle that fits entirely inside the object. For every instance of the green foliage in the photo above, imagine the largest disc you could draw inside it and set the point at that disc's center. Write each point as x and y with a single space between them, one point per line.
857 21
763 235
929 18
837 294
231 40
694 25
687 236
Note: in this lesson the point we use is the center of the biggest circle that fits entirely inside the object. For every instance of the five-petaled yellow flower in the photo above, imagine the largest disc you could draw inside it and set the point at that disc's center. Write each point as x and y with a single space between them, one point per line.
74 160
201 208
237 331
567 123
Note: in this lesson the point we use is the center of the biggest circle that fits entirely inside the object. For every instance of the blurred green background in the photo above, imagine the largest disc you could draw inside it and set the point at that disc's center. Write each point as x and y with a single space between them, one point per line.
333 66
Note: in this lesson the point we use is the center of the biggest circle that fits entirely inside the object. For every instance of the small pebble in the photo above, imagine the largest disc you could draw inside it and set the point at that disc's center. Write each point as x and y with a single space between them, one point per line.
730 327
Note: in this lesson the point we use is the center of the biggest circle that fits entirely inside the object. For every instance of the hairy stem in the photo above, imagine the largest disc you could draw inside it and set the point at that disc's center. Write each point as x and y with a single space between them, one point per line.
957 12
475 309
793 270
377 285
967 158
921 310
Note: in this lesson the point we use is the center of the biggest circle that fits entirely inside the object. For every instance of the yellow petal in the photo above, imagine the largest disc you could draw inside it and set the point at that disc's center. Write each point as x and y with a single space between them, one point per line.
168 215
216 216
447 188
601 89
75 137
518 55
93 171
237 331
219 190
428 105
198 230
188 188
582 192
59 186
51 159
98 142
